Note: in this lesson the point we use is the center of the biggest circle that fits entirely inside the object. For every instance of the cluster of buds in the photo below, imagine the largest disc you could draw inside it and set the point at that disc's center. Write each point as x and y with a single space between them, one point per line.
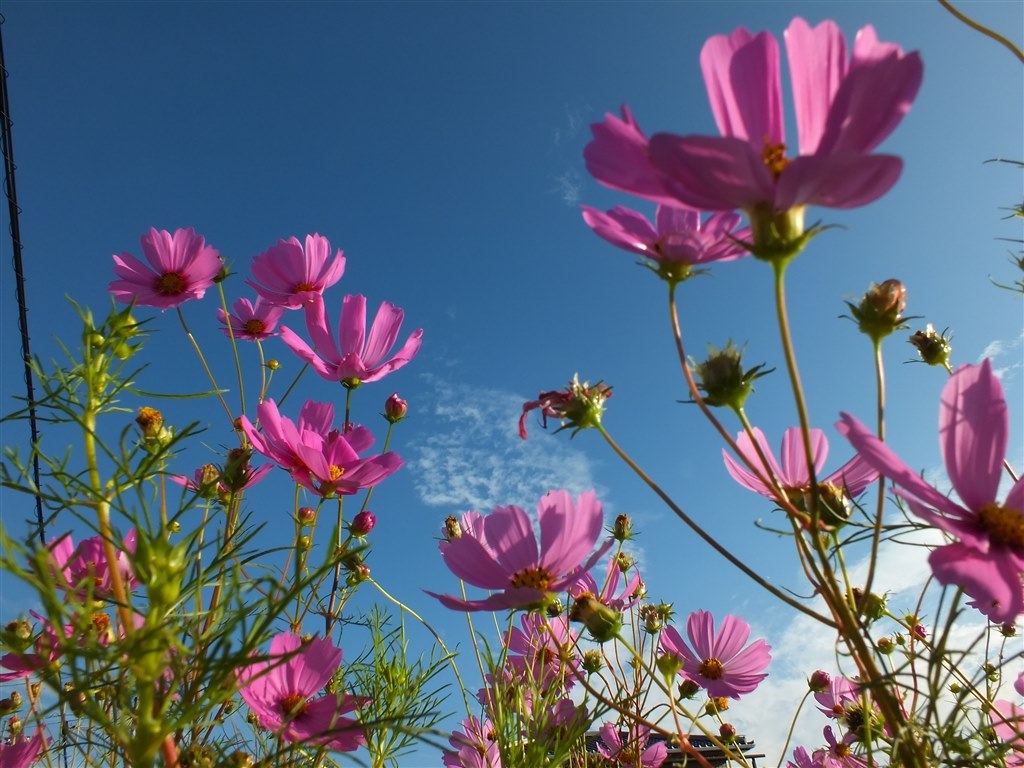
722 379
880 311
115 335
579 406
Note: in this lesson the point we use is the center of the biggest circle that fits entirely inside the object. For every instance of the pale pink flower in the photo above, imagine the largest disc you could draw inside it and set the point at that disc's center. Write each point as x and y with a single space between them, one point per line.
543 652
500 552
84 570
802 760
319 458
251 322
355 358
717 661
1018 684
631 751
987 561
22 752
1008 723
181 267
681 236
474 745
839 753
283 694
840 692
291 276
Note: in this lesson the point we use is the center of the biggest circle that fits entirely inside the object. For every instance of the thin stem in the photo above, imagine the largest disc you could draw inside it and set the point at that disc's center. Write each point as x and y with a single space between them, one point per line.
876 538
983 29
209 373
234 347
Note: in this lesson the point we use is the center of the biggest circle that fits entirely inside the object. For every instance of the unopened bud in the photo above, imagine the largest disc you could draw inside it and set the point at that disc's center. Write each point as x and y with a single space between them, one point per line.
150 421
934 348
669 665
652 619
363 523
554 608
593 662
623 528
885 645
727 731
623 561
306 515
722 378
602 622
819 681
273 364
880 312
241 759
688 689
1008 630
395 408
452 529
716 705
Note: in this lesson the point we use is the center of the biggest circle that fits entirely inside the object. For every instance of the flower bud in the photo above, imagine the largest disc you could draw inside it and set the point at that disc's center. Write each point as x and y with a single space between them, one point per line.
934 348
452 529
669 665
819 681
716 705
593 662
150 421
1008 630
580 406
871 606
722 378
727 732
273 364
623 561
306 515
885 645
395 408
602 622
363 523
688 689
554 609
653 622
880 312
623 528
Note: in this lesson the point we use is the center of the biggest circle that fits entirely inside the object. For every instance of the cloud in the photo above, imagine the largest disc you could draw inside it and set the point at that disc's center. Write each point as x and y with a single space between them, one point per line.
998 349
473 458
568 185
573 122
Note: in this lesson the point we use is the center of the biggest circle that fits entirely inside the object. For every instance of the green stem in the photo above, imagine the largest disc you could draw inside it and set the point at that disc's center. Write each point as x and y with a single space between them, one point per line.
876 537
202 360
234 347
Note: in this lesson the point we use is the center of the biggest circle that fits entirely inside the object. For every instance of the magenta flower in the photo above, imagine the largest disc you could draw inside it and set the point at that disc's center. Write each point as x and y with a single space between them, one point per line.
847 482
1018 684
987 561
22 752
281 690
355 358
500 552
291 276
840 694
1008 723
626 599
45 650
718 662
681 238
84 570
251 322
543 652
844 109
181 267
839 753
317 457
633 751
474 746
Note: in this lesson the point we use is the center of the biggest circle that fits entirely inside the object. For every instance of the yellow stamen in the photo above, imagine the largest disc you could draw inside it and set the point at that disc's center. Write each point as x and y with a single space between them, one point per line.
299 287
712 668
294 705
336 472
254 326
171 284
1005 526
774 156
534 577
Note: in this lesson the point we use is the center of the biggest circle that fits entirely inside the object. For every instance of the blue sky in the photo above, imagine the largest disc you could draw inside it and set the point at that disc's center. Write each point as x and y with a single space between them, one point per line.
440 145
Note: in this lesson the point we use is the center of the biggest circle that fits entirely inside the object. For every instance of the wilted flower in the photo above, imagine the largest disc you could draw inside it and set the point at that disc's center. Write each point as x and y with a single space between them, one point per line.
354 358
288 275
987 561
723 379
580 405
717 660
500 551
181 267
280 692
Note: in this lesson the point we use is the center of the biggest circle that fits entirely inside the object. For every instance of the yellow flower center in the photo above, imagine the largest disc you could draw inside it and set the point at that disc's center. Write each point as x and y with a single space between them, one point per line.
254 326
774 156
299 287
101 622
171 284
534 577
293 705
336 472
712 668
1005 526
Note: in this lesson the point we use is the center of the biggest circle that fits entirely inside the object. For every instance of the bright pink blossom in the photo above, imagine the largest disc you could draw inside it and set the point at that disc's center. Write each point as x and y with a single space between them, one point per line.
987 561
474 746
543 652
1018 684
22 752
318 457
291 276
681 237
851 478
1008 723
283 694
355 358
626 599
251 322
845 107
802 760
717 661
632 751
84 570
45 650
181 267
500 552
839 753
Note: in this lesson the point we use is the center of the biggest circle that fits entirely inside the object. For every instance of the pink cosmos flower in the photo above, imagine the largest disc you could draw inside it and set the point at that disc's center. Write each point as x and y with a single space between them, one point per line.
633 751
844 109
543 652
987 561
626 599
1018 684
181 267
85 567
681 238
802 760
718 662
281 690
841 692
847 482
355 358
46 649
251 322
839 753
22 752
1008 723
221 485
291 276
619 157
474 746
317 457
500 552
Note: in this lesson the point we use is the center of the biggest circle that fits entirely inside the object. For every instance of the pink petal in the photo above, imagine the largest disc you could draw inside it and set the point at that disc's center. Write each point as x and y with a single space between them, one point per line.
794 458
817 65
383 334
739 471
993 582
568 532
623 228
352 325
973 433
845 180
509 532
474 563
302 350
853 477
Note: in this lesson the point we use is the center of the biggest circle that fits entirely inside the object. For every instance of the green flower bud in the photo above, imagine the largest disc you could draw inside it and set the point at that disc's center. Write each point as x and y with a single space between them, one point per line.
623 528
669 665
602 622
880 312
688 689
593 662
716 705
722 378
934 348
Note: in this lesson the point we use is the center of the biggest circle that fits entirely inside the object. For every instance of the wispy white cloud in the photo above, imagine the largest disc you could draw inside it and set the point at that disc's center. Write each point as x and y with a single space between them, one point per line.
570 127
1005 355
473 457
568 186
